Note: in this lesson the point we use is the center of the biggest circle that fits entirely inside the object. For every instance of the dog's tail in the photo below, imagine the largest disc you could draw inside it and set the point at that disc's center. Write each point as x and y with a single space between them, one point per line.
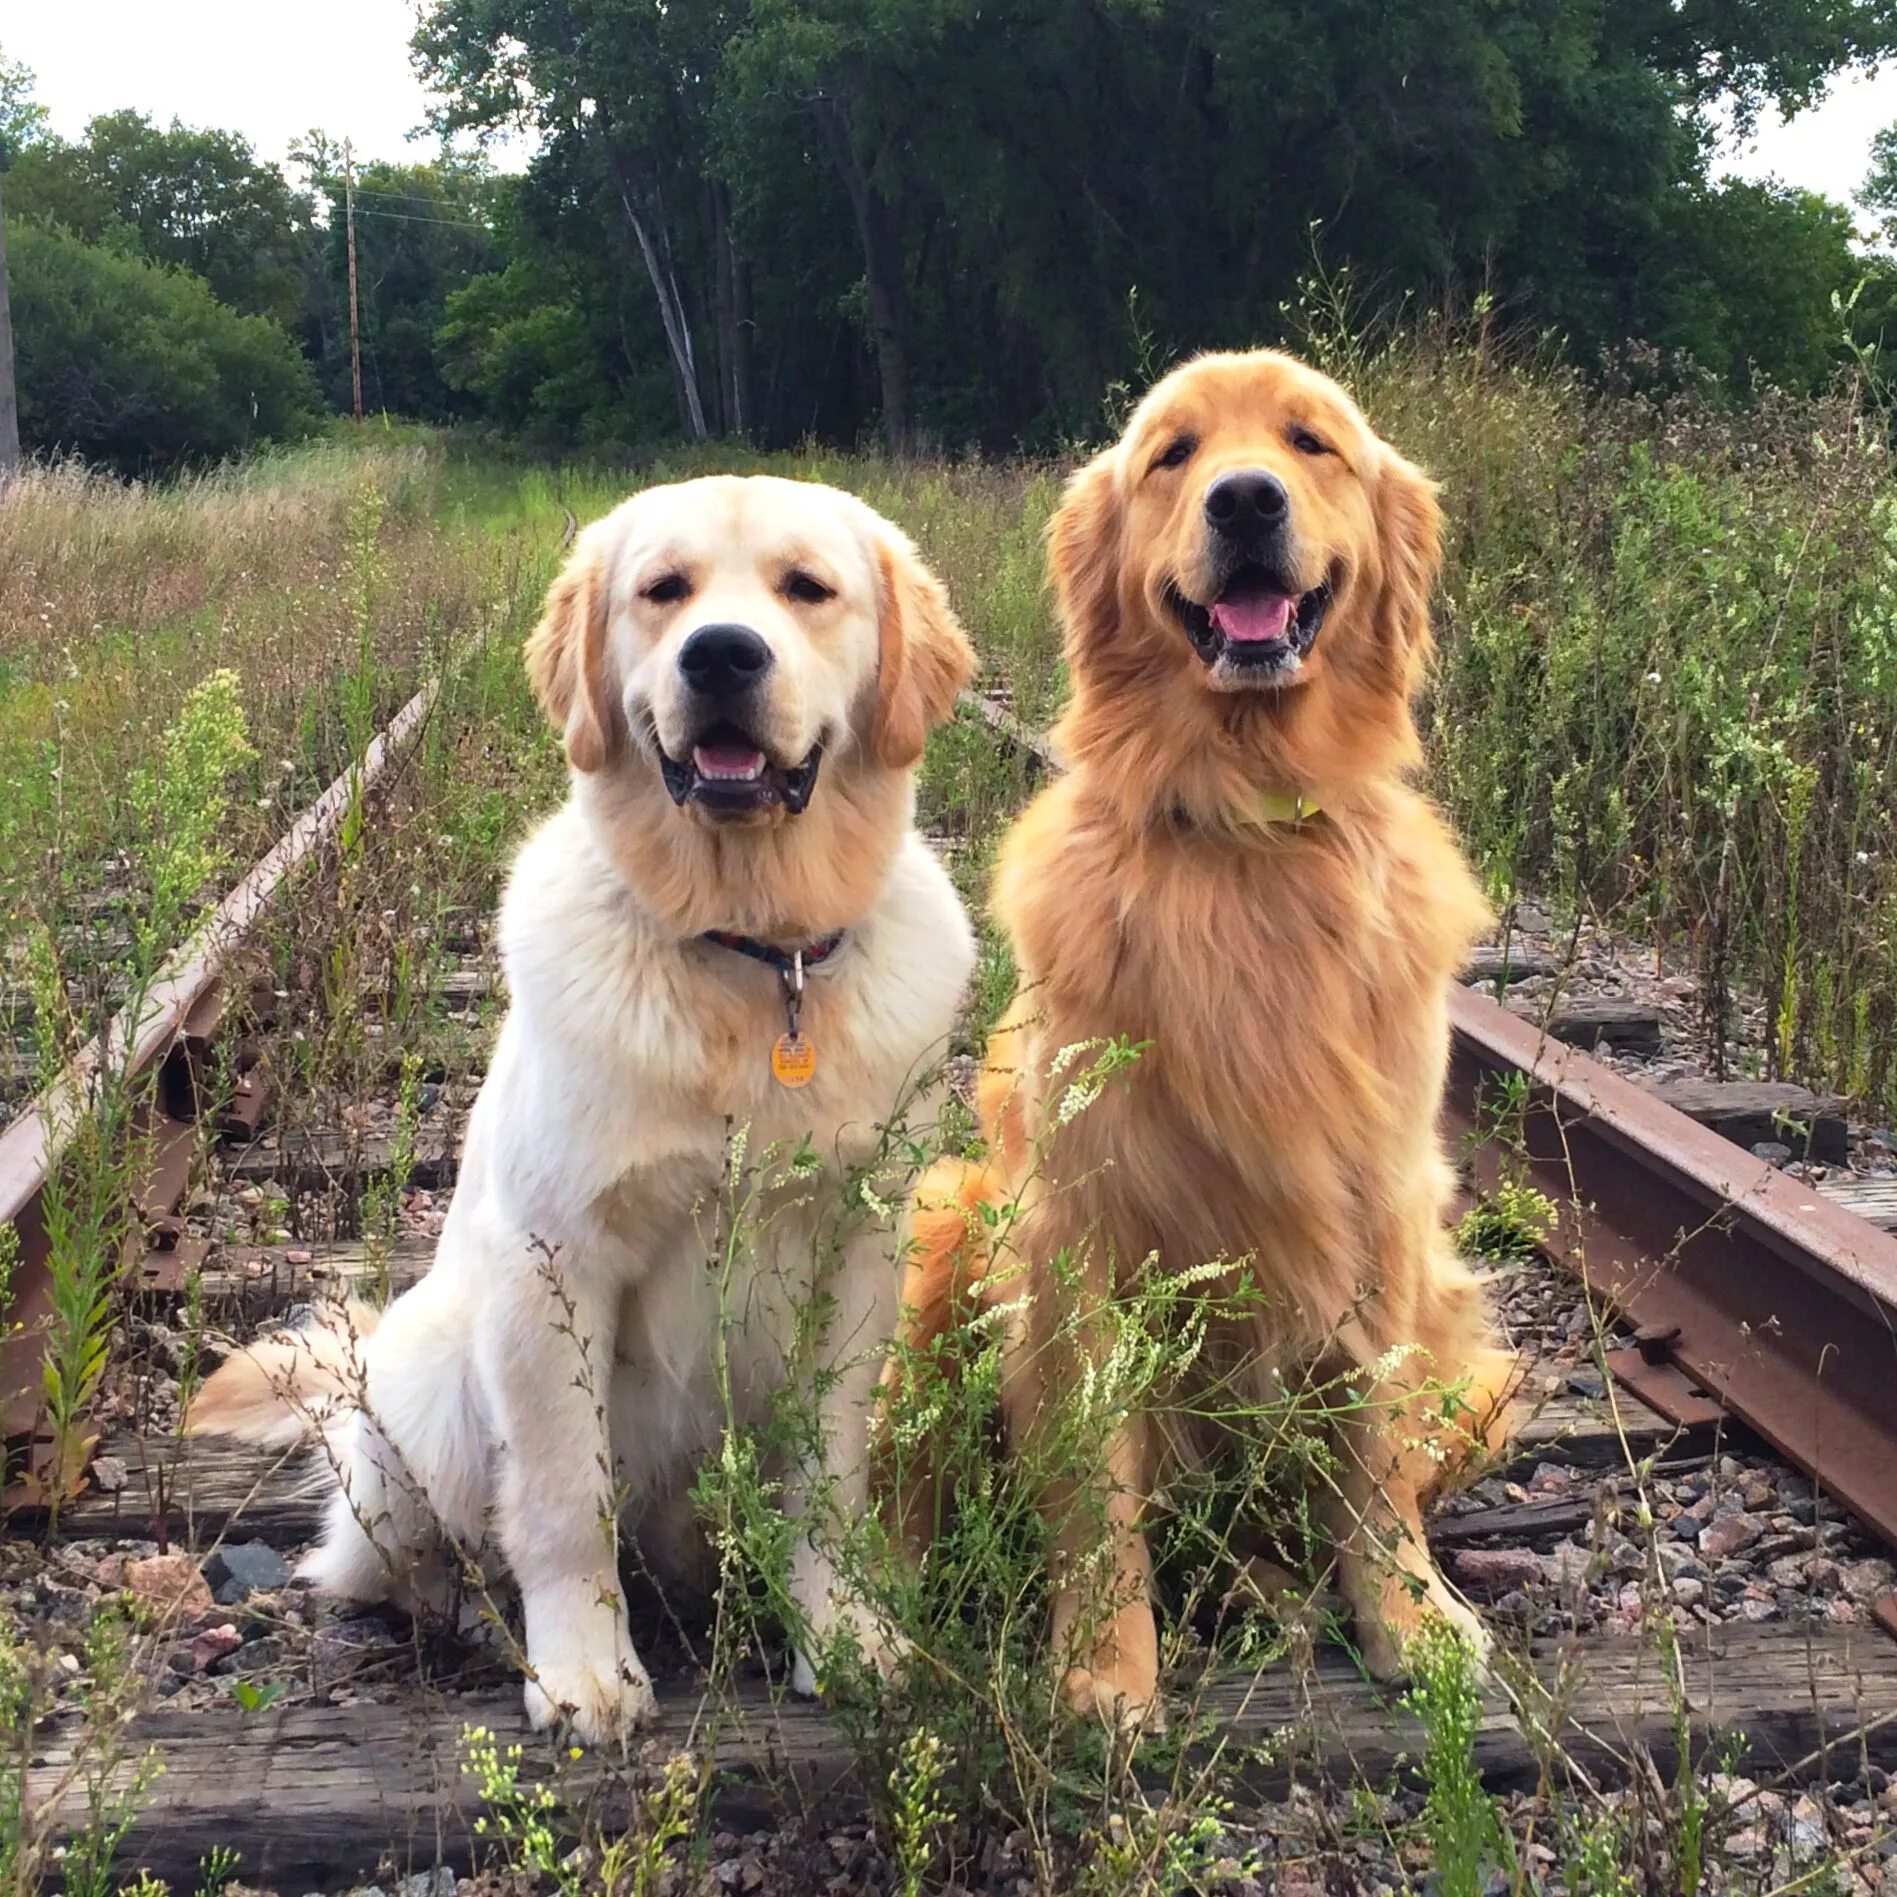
947 1279
950 1250
290 1386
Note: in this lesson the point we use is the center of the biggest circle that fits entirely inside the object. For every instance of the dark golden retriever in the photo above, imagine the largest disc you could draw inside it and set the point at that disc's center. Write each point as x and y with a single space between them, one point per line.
1236 871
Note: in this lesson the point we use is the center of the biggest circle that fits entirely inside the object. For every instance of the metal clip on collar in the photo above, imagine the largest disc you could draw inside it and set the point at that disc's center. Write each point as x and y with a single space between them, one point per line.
792 978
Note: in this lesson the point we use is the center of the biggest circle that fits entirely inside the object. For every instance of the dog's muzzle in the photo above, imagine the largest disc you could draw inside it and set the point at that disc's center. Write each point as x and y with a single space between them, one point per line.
725 771
1256 625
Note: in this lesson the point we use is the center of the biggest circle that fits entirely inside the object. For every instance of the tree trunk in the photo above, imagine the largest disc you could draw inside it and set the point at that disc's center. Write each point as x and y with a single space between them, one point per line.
889 313
735 322
9 401
721 307
881 238
744 347
645 217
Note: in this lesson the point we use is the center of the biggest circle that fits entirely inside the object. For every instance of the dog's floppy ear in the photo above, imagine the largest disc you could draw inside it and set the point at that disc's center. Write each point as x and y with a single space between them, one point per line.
923 656
566 658
1083 547
1409 534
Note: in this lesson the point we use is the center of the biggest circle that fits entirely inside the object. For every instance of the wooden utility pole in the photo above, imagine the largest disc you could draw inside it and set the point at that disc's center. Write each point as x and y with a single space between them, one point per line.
355 334
9 401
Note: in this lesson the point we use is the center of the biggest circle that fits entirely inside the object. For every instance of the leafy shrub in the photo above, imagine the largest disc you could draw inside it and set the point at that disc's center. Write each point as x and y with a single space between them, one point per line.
140 367
1668 660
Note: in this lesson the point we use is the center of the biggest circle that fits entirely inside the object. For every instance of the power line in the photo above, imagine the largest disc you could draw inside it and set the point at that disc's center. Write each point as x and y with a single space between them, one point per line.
408 217
401 197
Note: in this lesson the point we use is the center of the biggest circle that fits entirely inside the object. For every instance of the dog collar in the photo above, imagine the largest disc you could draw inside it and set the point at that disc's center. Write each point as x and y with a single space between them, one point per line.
793 1059
1278 806
785 961
1266 810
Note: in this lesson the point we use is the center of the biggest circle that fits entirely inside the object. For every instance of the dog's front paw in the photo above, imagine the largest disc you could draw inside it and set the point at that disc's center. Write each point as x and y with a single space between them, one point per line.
604 1703
878 1647
1468 1628
803 1675
1387 1644
1131 1705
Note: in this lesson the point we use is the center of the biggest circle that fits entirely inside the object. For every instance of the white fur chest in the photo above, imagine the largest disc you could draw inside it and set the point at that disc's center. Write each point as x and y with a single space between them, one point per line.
632 1062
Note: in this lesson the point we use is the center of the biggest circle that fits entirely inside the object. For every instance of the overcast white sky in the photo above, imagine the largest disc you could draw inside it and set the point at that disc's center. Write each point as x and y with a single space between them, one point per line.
1827 149
271 69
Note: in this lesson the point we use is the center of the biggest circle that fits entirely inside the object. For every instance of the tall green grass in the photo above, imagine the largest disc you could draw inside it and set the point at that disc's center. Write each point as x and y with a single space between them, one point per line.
1667 694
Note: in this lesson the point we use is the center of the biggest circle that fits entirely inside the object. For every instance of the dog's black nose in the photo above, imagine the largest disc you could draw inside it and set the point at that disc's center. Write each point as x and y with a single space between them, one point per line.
722 661
1247 503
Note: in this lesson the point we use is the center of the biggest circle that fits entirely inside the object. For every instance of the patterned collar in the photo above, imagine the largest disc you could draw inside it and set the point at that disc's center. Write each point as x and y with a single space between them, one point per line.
785 961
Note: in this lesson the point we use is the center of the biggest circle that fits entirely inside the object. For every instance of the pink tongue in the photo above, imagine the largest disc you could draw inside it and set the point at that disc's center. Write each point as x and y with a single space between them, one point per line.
1255 616
734 760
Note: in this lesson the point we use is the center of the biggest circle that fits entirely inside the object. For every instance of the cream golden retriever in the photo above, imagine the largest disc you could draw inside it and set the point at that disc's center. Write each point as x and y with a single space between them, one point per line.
1236 872
731 928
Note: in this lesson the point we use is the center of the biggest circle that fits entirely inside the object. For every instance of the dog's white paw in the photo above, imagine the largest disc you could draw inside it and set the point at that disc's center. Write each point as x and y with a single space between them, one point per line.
349 1566
604 1703
878 1647
803 1676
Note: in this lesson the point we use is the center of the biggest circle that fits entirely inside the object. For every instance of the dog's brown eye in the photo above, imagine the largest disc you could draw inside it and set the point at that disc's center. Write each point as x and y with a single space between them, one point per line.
1307 443
667 590
1178 452
807 590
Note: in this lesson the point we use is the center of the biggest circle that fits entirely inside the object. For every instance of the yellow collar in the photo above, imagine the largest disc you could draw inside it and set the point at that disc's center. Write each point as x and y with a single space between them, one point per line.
1266 810
1278 806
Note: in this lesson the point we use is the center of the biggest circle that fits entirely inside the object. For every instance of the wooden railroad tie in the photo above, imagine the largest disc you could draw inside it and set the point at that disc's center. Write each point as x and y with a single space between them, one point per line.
1619 1022
312 1794
1753 1112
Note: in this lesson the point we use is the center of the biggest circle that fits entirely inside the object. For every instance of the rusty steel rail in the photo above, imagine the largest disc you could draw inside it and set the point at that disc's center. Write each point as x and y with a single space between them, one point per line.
170 1039
1750 1293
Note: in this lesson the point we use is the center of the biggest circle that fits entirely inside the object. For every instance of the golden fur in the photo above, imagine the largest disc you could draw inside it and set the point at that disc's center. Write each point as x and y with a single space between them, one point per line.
1288 978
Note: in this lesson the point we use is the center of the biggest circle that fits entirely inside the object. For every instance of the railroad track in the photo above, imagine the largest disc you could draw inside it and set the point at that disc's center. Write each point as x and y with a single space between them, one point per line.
170 1047
1752 1325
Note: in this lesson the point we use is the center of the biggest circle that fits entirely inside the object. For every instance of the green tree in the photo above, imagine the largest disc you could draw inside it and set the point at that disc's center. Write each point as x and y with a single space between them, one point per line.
1753 279
128 363
858 75
565 341
422 232
623 91
22 124
1878 194
198 200
525 352
22 117
940 212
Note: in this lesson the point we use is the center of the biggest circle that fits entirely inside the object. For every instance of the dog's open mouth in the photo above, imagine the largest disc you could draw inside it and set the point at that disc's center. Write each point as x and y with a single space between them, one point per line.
728 774
1258 628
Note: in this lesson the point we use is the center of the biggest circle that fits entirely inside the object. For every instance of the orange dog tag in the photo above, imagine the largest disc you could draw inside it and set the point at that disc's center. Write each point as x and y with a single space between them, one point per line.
793 1060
